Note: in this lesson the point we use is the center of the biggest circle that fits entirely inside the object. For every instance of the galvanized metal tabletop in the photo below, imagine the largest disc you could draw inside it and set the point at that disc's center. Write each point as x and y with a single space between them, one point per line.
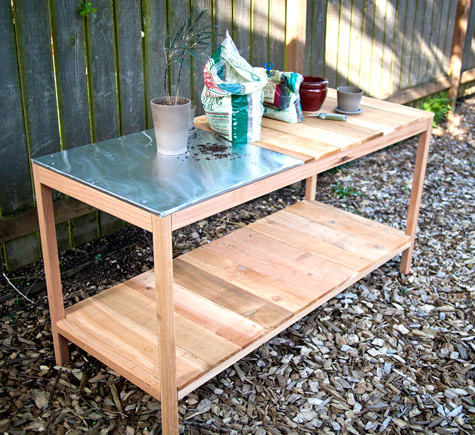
129 168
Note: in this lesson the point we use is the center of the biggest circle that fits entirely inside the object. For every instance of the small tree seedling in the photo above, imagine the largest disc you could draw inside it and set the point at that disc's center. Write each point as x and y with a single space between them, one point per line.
190 39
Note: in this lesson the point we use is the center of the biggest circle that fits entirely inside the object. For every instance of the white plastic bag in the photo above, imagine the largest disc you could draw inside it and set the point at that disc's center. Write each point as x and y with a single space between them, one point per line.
232 97
283 102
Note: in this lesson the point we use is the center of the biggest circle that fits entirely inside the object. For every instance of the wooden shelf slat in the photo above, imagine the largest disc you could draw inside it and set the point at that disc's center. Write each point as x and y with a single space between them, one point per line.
311 132
252 281
237 329
227 295
232 294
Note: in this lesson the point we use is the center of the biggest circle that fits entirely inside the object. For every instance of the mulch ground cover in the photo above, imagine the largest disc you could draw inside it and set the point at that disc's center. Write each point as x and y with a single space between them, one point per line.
392 354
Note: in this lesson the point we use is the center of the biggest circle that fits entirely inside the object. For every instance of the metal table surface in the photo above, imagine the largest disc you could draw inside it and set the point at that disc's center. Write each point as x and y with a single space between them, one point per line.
129 168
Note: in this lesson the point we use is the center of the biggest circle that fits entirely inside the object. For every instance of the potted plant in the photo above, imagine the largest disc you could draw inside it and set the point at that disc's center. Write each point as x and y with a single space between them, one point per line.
171 113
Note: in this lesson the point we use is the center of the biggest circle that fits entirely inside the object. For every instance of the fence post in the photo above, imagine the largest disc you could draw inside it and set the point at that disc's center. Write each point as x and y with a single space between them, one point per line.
458 42
295 32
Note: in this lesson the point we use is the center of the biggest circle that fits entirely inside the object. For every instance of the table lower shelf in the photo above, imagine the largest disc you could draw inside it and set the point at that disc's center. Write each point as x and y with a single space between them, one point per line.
233 294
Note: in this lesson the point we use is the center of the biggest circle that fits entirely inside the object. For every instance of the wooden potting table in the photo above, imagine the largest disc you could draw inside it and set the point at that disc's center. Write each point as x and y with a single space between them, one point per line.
172 329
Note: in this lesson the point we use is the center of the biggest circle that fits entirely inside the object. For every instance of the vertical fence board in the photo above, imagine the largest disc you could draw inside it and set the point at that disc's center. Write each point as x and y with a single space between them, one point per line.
128 28
378 47
399 46
70 57
315 38
70 61
386 87
295 24
356 37
434 55
101 60
36 66
417 41
428 22
223 18
344 35
178 14
468 61
449 35
309 35
197 66
242 27
15 186
409 26
367 45
331 41
277 33
259 47
101 49
443 32
154 27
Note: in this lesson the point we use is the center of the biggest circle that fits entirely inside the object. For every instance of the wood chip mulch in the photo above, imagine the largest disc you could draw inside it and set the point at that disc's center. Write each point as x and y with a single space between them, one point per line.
393 354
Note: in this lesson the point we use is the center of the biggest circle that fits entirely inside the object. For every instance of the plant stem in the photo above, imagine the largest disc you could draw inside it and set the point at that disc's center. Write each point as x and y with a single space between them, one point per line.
178 82
165 76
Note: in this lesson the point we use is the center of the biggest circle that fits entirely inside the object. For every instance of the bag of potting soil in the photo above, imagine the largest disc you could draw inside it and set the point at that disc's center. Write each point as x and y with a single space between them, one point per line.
232 95
281 96
276 93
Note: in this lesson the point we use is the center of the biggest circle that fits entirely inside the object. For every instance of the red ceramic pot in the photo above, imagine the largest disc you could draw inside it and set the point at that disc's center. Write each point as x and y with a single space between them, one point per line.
313 92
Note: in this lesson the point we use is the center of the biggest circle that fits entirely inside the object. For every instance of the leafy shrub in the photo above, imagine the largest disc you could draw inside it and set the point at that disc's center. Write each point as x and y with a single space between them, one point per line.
439 106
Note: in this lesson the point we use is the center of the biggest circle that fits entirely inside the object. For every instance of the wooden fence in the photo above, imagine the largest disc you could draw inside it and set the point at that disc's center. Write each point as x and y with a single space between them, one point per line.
69 80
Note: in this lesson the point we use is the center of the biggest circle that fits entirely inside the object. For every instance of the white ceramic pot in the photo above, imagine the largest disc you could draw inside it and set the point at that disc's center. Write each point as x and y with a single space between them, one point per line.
171 122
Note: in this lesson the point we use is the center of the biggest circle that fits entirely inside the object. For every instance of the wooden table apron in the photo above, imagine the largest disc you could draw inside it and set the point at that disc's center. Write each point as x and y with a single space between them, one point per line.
162 228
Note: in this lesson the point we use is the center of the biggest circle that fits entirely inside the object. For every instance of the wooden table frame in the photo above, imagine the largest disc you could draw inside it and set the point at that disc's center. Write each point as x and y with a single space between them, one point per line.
46 180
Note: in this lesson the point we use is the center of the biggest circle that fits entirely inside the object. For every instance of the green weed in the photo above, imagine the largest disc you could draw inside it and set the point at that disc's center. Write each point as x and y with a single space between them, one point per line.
439 106
345 191
86 9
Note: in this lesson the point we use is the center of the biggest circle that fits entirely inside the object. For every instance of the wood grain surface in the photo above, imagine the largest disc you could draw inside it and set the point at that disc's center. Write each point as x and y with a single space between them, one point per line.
232 294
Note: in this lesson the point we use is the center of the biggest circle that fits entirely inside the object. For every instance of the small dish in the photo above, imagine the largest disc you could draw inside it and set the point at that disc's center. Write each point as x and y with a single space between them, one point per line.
336 109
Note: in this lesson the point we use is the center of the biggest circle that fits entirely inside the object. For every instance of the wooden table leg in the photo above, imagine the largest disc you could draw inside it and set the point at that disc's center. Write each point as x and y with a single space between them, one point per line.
49 245
162 255
416 194
311 188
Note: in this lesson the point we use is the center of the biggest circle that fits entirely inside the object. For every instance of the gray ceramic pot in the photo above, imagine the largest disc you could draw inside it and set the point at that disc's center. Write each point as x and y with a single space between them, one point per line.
349 98
171 122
